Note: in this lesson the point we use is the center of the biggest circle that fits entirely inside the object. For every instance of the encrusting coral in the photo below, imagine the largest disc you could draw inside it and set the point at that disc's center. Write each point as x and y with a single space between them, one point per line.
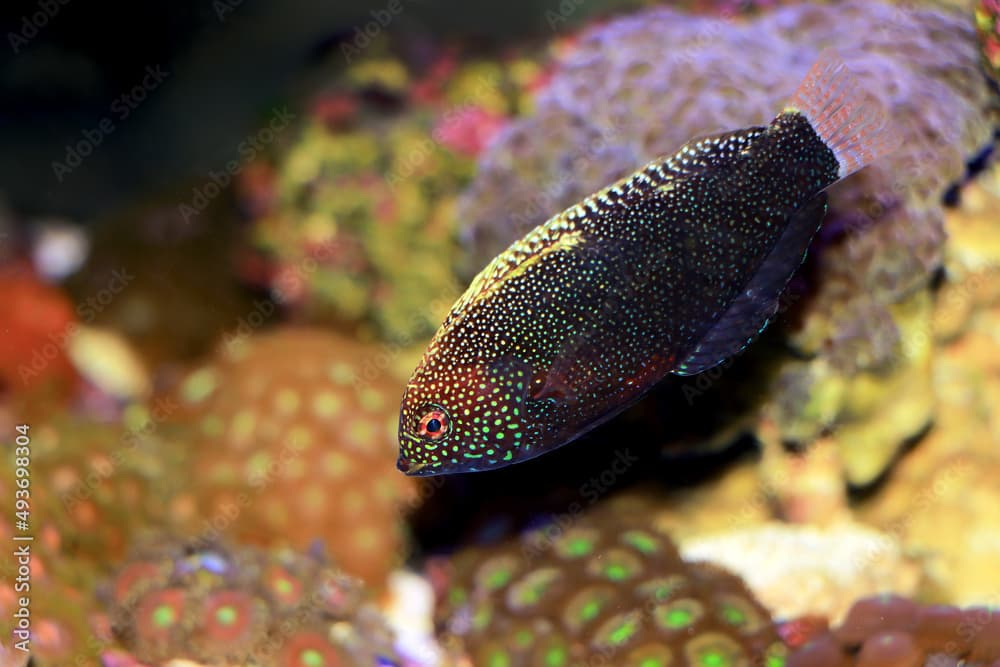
604 588
640 86
295 434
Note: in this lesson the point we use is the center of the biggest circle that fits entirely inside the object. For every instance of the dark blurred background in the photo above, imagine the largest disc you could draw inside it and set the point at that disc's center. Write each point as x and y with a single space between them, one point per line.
64 65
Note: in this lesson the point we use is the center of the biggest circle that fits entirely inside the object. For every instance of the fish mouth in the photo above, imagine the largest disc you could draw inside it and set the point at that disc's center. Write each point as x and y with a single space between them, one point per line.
410 467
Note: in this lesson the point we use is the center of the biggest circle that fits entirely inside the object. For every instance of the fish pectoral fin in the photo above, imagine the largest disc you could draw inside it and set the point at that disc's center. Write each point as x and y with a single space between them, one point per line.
748 315
554 388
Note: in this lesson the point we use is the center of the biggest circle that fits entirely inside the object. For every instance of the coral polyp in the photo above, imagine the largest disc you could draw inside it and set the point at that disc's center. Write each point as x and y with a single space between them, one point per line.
239 605
896 632
608 588
295 440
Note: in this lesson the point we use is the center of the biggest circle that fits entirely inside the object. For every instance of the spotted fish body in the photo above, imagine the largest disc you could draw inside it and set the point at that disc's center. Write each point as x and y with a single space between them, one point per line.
670 270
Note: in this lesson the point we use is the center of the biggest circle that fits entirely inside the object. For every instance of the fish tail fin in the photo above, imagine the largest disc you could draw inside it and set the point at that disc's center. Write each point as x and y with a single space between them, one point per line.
833 102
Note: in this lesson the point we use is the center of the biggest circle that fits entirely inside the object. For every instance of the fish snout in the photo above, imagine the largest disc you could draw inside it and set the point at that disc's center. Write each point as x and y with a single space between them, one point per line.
409 466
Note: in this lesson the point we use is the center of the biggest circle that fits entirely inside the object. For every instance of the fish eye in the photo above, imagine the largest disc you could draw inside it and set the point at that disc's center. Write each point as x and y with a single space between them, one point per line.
434 424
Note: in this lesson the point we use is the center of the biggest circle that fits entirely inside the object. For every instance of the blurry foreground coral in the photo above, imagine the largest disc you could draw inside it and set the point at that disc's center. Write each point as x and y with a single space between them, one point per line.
294 433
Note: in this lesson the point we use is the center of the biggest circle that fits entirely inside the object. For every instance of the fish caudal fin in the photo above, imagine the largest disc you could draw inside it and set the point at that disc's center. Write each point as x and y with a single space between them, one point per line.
833 102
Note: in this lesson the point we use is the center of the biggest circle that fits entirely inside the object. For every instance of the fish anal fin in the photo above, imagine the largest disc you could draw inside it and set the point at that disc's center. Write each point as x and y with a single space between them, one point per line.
750 312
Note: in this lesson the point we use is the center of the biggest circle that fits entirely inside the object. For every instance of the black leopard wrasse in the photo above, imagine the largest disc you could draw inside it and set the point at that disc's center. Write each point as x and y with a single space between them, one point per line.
670 270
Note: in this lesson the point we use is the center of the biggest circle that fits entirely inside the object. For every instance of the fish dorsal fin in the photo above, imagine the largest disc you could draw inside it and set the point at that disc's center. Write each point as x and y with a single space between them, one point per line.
704 152
691 158
750 312
557 234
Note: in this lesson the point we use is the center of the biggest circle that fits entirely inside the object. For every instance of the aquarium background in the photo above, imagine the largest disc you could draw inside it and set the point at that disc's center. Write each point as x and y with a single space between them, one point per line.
229 229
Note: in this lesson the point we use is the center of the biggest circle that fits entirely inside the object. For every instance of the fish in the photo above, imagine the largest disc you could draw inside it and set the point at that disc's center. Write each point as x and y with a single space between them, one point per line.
671 270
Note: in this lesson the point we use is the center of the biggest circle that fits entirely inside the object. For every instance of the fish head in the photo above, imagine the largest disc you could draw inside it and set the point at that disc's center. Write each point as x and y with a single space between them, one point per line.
465 418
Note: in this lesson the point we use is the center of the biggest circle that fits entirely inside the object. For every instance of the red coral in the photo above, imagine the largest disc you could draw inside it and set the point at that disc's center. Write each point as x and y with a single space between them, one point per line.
335 110
36 321
469 130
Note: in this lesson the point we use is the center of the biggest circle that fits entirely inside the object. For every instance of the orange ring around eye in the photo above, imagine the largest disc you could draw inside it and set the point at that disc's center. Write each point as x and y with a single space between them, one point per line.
434 424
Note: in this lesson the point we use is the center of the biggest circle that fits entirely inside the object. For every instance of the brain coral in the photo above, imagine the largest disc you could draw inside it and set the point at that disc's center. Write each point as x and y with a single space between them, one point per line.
640 86
224 605
295 437
603 590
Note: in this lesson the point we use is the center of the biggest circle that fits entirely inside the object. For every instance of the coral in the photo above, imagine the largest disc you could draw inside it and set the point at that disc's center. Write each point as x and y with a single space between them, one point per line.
107 361
640 86
295 437
870 414
939 501
37 320
801 570
94 488
219 604
99 485
890 631
605 587
362 226
988 23
66 626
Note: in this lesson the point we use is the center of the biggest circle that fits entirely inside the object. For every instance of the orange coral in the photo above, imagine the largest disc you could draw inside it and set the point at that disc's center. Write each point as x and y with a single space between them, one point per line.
295 436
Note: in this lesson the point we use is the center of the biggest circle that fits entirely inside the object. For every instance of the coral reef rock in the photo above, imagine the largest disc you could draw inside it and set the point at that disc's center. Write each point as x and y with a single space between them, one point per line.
805 571
939 501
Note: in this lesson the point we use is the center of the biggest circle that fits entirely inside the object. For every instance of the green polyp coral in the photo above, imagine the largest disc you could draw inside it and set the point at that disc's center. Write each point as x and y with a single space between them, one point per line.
607 587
